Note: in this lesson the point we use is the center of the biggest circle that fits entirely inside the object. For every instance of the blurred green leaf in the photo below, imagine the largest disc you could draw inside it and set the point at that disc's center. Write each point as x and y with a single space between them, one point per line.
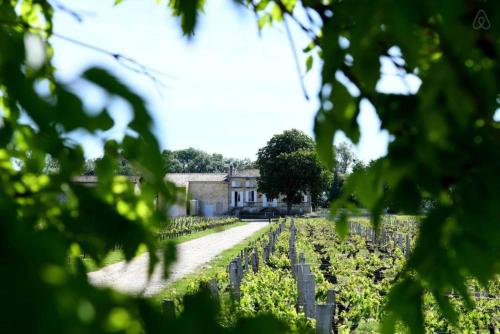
339 111
188 11
309 63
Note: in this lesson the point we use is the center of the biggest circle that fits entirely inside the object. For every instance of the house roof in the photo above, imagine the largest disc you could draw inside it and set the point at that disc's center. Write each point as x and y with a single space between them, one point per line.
93 179
182 179
247 173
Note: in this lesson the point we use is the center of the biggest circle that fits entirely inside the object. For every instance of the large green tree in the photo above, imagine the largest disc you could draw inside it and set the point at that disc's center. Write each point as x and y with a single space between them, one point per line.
290 167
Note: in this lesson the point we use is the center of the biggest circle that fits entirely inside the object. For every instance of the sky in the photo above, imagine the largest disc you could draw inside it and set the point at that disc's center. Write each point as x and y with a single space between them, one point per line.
228 90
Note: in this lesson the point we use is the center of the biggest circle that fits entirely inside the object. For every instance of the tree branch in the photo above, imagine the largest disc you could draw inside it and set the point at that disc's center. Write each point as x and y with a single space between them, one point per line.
296 58
125 61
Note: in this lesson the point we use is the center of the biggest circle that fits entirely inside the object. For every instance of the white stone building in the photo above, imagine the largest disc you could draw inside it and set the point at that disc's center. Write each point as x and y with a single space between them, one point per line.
216 194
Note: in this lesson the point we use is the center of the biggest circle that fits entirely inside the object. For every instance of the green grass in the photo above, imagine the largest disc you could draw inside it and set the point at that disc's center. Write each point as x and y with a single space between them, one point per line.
212 269
117 255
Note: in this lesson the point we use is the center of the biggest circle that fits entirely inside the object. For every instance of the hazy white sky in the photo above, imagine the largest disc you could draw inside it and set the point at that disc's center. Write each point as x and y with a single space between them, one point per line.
230 89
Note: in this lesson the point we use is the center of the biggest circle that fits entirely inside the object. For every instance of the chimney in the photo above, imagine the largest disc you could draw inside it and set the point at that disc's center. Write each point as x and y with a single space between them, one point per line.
230 170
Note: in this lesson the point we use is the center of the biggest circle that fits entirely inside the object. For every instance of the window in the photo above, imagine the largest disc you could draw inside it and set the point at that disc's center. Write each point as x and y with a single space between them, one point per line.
234 198
251 197
305 199
250 184
235 184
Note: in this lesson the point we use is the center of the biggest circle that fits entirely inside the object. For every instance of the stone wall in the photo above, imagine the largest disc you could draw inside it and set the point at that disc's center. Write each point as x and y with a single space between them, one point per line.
213 196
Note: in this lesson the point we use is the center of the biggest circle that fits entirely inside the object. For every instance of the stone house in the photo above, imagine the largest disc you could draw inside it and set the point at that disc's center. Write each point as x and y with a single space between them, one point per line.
209 189
216 194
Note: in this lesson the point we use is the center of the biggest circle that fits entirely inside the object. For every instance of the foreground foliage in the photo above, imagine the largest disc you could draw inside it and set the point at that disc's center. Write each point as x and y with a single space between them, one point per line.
48 222
444 56
445 148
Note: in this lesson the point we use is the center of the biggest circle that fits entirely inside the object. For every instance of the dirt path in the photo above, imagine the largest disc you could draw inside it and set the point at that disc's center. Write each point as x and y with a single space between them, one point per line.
132 277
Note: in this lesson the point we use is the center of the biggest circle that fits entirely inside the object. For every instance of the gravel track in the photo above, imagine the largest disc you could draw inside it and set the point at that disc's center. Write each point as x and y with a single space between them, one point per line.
132 277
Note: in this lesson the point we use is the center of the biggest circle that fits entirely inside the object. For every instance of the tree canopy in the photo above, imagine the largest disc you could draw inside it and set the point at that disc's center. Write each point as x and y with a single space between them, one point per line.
345 158
289 166
188 160
191 160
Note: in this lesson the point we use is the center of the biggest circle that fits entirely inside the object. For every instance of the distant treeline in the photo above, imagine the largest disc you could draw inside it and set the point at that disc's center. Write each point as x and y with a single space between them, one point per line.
188 160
